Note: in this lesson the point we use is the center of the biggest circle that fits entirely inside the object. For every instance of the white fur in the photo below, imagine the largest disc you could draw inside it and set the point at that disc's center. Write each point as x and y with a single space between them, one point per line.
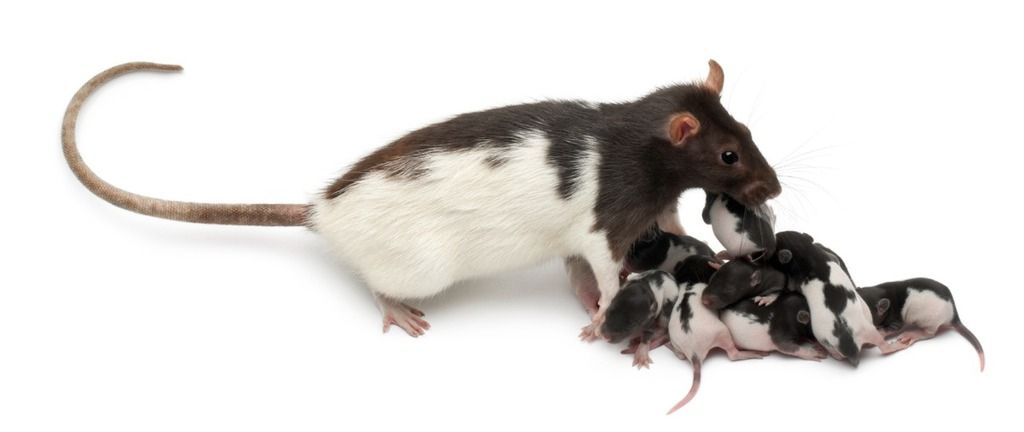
706 330
674 255
746 332
723 224
414 237
926 310
856 314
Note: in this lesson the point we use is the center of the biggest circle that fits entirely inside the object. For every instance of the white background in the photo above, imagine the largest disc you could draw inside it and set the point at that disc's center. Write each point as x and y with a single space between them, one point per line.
901 124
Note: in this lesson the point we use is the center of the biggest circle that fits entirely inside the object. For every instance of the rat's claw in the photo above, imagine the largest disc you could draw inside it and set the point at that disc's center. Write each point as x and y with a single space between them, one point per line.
766 300
402 315
642 357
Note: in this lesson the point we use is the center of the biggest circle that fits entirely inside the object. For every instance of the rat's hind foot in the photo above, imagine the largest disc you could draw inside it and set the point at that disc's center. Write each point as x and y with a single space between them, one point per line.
642 356
400 314
592 331
813 352
906 339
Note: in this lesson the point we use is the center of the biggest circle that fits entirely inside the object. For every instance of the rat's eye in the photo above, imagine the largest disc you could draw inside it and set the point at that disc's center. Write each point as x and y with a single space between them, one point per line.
730 157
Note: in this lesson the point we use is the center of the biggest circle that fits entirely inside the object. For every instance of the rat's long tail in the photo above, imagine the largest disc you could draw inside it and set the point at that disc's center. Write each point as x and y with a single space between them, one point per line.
226 214
967 334
693 387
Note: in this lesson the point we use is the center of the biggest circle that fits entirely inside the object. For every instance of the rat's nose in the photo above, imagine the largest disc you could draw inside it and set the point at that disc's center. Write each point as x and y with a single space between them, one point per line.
708 301
759 192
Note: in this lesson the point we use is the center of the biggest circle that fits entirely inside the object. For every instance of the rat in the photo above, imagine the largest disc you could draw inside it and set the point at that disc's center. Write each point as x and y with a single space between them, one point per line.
652 322
916 309
740 279
638 304
742 230
694 330
840 319
658 249
782 326
496 190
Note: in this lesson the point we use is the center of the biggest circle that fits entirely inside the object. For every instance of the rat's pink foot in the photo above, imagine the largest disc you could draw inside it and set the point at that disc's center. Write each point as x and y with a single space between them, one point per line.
810 352
766 300
642 357
905 340
402 315
592 331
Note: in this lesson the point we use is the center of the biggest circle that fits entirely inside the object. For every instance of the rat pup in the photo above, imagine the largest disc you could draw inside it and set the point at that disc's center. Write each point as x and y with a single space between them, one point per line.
500 189
743 231
740 279
840 319
638 304
916 309
782 326
658 249
694 330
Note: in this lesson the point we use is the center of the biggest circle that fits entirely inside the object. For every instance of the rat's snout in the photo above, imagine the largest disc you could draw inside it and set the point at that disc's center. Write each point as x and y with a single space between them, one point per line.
760 191
710 301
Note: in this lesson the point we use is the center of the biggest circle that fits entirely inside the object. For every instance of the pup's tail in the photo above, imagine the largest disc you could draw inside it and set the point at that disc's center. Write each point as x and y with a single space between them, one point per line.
960 328
693 387
226 214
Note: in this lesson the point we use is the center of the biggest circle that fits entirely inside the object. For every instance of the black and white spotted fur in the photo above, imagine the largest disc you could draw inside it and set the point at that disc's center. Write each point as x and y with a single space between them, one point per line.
916 309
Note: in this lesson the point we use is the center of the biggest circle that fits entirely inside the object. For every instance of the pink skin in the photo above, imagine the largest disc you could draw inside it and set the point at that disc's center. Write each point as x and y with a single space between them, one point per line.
583 282
766 300
642 358
641 349
809 352
725 343
907 338
402 315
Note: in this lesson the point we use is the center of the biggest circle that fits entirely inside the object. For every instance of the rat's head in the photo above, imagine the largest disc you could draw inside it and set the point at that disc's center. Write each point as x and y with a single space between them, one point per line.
695 269
877 303
631 310
740 279
794 307
797 256
648 251
716 151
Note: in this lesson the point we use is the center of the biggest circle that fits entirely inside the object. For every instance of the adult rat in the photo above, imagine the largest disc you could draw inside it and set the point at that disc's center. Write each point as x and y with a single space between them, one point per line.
495 190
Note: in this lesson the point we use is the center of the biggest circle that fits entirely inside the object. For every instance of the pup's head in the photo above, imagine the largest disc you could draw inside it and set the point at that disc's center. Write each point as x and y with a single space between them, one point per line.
740 279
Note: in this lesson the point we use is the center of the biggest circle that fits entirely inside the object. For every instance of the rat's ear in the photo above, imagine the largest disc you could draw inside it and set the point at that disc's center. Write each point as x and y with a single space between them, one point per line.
682 127
882 306
785 256
803 317
714 265
716 78
755 278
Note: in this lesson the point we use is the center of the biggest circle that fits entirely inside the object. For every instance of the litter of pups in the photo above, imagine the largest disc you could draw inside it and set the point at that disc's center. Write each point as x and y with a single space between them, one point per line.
778 292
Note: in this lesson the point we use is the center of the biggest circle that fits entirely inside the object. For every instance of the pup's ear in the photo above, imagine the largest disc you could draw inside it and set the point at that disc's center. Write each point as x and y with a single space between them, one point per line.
714 265
682 127
716 78
803 317
785 256
755 278
882 306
